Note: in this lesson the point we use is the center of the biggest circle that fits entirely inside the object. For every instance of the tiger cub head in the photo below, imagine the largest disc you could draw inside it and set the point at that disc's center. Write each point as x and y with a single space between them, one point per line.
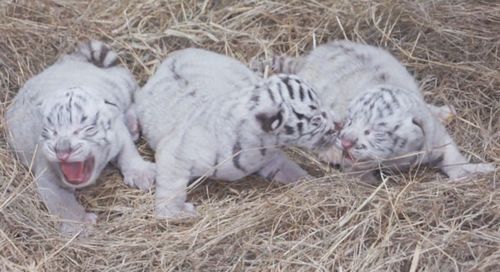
77 136
382 125
290 109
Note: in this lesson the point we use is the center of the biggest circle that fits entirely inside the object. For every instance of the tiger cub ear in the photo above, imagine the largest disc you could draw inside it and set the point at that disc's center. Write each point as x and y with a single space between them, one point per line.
271 122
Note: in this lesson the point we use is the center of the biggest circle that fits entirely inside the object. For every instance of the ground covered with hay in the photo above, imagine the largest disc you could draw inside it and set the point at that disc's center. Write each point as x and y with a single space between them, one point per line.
413 221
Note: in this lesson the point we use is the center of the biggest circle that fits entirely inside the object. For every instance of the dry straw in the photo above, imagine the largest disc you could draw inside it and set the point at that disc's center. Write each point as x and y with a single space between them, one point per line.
413 221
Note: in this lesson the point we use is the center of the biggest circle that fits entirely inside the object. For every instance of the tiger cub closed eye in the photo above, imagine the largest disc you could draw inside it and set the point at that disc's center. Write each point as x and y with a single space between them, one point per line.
384 116
70 121
206 114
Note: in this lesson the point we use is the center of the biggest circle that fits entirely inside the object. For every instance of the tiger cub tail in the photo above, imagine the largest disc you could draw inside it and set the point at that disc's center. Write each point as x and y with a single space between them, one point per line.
97 53
277 65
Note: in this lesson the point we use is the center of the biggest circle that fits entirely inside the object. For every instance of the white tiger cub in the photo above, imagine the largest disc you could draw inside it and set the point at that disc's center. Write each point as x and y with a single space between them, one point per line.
206 114
384 117
69 121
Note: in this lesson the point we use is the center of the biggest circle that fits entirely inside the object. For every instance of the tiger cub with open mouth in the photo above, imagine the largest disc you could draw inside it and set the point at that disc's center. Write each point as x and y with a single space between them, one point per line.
384 118
209 115
69 121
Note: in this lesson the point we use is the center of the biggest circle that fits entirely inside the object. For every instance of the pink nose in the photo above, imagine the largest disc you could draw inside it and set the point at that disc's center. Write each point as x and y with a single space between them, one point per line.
347 144
63 155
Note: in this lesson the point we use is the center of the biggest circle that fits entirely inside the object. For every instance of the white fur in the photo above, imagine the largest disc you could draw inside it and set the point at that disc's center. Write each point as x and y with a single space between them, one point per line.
382 109
208 115
76 106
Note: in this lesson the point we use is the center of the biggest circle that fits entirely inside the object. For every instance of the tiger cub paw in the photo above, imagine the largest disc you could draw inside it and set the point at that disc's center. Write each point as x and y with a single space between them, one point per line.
184 210
469 170
445 113
140 175
82 227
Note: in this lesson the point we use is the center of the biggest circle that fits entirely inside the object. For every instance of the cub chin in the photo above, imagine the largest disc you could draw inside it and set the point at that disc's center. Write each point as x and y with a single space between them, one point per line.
69 121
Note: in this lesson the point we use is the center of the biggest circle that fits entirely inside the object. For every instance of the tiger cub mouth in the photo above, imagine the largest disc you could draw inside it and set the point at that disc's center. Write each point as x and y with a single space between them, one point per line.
78 172
347 155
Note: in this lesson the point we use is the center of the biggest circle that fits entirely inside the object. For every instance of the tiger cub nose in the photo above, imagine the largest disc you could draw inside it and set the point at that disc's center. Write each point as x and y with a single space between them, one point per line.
63 155
347 144
63 149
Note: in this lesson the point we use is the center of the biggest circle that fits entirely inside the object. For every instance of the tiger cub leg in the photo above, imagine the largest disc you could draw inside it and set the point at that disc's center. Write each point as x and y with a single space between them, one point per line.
280 168
172 178
455 165
62 202
135 170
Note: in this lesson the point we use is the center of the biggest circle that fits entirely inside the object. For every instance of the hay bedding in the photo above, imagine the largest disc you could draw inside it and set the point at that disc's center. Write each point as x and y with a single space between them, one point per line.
412 222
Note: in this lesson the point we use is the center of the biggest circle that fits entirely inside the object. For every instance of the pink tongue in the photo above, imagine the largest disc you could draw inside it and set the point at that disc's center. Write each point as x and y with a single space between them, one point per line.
73 171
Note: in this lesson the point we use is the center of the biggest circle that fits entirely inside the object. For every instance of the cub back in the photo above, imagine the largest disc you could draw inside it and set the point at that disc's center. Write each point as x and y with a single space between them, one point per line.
182 85
341 70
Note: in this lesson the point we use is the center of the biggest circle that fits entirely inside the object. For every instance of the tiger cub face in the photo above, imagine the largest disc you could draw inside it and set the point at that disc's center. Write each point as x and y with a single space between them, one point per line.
300 119
77 136
381 126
